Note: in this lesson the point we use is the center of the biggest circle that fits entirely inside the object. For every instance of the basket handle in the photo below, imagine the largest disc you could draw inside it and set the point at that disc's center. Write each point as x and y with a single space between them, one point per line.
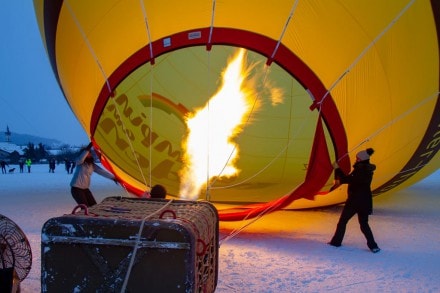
82 207
168 211
204 247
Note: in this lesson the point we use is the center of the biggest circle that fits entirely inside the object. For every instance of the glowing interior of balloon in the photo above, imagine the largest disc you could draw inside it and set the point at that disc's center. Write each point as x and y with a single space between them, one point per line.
209 155
212 154
266 133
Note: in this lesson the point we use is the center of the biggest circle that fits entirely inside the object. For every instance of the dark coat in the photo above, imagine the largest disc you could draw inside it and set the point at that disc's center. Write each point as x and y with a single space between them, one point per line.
359 186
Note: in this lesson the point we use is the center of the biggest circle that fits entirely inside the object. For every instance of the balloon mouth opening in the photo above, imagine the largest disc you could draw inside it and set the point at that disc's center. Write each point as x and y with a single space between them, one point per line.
114 97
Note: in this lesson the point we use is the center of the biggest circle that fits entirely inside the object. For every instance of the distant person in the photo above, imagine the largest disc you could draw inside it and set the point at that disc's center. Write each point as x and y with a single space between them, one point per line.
4 164
52 164
359 200
29 164
21 164
72 167
67 164
80 183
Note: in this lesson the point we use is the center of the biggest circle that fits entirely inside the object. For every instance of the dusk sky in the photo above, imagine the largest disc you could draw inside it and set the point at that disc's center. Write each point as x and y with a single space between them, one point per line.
31 101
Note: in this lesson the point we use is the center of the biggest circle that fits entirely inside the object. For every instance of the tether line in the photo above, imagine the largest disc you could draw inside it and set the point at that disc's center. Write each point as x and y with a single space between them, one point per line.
111 98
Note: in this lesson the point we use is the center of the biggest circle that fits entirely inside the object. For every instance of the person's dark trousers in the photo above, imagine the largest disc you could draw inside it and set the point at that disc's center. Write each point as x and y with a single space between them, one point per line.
83 196
365 228
347 213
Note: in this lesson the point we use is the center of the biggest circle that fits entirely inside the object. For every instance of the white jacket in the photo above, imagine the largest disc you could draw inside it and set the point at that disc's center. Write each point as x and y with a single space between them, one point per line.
83 172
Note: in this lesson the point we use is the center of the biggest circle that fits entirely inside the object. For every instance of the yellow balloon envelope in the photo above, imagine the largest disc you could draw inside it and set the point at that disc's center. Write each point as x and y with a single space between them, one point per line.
321 80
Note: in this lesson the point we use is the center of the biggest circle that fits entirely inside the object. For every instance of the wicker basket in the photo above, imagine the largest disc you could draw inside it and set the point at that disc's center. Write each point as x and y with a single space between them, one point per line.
146 245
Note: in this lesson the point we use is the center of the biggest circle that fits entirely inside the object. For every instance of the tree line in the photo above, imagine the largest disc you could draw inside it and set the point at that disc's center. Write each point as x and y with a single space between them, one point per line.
39 153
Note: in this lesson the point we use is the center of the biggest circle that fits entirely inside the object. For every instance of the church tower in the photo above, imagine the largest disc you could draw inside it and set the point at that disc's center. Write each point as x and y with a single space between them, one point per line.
8 134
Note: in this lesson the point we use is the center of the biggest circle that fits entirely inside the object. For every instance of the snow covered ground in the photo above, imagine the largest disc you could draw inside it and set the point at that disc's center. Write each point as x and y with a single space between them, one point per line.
282 252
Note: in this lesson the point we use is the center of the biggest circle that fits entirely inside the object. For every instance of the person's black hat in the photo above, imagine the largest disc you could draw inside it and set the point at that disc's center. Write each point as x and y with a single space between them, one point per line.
158 191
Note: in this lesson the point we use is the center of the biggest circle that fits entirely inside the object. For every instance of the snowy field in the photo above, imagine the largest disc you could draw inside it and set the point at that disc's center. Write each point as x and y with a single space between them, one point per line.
282 252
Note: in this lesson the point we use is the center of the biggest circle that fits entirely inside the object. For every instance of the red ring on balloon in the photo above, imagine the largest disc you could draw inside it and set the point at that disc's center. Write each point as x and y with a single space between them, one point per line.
263 45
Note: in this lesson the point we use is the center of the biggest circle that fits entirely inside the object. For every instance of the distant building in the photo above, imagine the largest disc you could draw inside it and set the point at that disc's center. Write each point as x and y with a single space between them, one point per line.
3 155
7 148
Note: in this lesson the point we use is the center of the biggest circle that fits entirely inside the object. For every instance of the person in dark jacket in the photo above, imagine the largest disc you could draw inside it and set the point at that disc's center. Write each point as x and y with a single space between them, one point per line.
359 200
4 164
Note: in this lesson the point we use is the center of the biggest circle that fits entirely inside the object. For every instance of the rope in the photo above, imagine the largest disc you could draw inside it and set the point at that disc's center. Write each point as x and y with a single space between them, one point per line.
387 28
210 186
147 28
369 46
150 149
390 123
284 29
207 193
257 97
237 231
144 12
320 103
89 46
95 57
138 241
211 29
282 150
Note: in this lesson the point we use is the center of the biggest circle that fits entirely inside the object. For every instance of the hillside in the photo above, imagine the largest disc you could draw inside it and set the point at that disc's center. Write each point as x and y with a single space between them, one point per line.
25 139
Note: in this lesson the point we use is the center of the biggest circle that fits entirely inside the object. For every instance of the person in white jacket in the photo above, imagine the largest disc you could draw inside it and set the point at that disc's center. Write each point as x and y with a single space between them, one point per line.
80 183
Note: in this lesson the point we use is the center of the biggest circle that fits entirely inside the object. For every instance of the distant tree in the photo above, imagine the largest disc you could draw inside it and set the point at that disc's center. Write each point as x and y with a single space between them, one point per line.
66 153
35 153
29 151
65 147
41 152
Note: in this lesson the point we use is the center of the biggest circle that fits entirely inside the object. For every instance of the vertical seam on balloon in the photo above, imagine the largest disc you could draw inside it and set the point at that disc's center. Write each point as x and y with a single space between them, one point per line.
147 27
208 47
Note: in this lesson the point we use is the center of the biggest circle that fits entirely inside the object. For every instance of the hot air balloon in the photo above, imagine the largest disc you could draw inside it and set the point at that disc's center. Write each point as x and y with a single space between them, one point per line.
249 102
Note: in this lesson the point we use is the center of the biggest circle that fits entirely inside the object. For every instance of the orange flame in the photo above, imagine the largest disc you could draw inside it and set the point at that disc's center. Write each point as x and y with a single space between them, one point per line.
209 148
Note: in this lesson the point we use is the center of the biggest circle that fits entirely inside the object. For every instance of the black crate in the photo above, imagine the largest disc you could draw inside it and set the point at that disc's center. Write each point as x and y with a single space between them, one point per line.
92 249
